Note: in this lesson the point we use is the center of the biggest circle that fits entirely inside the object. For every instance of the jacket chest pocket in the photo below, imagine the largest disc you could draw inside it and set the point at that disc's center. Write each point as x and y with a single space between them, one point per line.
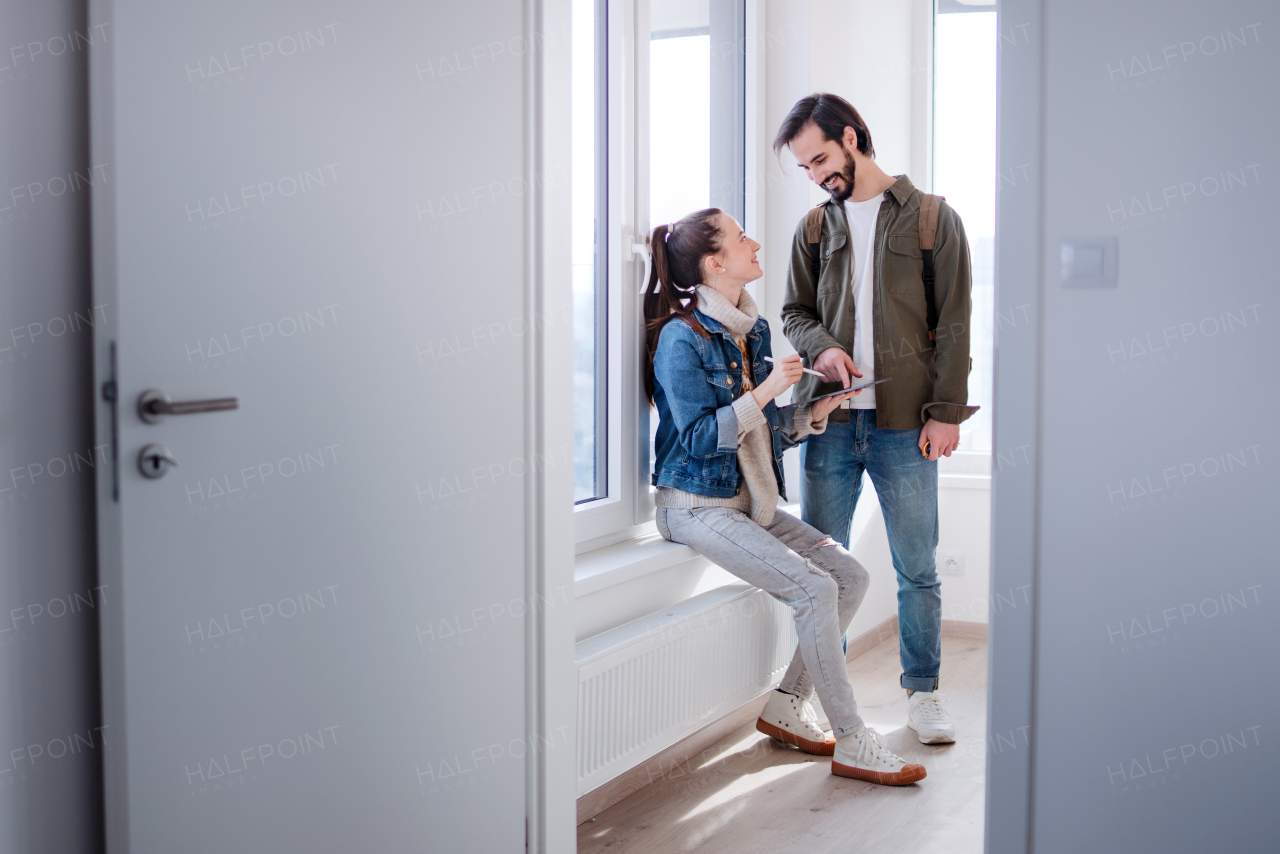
904 266
725 383
833 273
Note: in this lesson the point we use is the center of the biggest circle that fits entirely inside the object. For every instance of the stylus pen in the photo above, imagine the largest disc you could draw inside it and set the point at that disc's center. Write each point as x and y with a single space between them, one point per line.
806 370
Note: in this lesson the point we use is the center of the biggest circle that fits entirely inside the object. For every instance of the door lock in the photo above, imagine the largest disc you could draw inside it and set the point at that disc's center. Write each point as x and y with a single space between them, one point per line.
154 405
154 460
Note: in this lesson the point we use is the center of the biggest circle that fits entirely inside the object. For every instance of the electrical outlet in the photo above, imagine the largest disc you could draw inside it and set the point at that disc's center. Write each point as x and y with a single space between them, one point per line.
951 564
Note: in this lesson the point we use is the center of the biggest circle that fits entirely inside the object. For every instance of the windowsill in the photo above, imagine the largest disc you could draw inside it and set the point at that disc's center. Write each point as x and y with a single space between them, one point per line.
647 553
964 481
965 470
596 570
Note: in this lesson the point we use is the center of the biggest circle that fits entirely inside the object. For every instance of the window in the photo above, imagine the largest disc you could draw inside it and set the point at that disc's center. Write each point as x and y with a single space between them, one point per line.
590 281
696 107
964 170
642 155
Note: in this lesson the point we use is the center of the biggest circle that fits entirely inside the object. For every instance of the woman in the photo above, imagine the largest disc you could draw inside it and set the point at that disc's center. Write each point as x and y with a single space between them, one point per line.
718 469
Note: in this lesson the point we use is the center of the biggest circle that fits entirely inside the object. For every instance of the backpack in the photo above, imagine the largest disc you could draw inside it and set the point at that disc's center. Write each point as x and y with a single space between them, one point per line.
929 207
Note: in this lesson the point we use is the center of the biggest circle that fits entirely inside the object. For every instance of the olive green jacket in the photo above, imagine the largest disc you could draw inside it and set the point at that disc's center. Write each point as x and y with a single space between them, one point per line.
930 378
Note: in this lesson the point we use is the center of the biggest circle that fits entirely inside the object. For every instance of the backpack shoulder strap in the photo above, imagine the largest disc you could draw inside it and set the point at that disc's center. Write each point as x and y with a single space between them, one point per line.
929 207
813 236
813 223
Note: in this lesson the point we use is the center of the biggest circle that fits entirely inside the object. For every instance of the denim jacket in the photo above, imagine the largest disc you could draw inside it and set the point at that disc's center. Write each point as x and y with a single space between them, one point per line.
696 381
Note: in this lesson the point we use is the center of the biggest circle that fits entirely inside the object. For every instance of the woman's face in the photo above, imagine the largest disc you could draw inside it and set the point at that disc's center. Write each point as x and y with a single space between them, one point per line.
736 261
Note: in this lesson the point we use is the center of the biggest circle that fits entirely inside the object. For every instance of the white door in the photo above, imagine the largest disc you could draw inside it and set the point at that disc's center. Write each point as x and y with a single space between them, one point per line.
319 639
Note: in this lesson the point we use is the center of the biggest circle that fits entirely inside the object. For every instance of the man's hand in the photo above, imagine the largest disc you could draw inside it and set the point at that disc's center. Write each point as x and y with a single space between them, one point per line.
836 365
941 438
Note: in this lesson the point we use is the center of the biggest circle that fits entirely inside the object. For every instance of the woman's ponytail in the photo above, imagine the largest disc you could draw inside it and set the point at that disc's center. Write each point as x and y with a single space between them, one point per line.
677 251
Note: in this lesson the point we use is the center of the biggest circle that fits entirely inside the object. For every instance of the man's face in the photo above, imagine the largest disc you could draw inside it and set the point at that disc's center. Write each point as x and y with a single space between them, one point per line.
827 162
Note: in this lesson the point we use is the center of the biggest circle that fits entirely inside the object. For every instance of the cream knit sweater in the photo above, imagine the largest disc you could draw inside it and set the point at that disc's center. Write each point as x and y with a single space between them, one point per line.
759 497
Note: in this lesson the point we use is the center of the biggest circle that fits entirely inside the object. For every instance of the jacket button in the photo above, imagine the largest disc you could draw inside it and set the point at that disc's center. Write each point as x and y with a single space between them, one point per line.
729 380
733 364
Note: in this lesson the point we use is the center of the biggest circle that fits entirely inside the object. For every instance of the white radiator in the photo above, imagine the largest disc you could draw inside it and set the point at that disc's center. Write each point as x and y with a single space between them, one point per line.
645 685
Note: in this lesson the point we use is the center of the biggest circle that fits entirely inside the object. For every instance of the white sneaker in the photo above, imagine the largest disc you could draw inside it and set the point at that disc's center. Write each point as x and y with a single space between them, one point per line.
927 715
788 718
863 755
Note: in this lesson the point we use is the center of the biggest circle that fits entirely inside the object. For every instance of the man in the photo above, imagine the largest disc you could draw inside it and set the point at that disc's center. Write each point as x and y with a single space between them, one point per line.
866 317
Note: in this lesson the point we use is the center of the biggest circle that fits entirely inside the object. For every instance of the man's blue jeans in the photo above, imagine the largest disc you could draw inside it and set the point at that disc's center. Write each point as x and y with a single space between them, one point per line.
907 485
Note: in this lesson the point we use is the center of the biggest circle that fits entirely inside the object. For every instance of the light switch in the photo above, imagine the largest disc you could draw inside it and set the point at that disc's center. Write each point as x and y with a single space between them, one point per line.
1090 262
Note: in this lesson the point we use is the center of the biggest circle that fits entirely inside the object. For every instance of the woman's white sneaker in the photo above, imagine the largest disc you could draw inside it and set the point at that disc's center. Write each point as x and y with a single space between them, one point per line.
863 755
788 718
927 715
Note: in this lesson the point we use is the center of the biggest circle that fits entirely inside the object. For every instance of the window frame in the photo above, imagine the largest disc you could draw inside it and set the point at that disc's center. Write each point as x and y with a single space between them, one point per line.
963 462
616 512
626 511
601 440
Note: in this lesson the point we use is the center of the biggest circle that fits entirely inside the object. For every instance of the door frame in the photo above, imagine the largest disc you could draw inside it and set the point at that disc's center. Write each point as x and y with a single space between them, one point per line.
551 673
1016 422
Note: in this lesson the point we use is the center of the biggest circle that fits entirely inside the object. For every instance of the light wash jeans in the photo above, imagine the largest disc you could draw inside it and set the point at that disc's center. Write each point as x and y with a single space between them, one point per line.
907 486
800 567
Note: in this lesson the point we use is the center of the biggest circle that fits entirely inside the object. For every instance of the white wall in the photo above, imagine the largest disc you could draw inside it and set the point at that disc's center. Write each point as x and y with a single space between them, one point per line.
870 53
964 523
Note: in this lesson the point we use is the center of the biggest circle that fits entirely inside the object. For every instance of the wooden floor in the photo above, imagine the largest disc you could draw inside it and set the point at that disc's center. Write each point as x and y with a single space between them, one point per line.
746 794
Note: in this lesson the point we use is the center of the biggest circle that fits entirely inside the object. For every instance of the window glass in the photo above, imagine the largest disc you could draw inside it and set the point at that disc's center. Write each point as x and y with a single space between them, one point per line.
697 76
964 170
588 177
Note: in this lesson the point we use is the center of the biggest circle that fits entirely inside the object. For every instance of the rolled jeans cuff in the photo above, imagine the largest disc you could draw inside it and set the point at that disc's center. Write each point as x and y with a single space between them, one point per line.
919 683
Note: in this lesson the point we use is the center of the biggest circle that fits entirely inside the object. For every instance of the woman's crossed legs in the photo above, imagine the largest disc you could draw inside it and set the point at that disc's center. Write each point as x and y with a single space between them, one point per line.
801 567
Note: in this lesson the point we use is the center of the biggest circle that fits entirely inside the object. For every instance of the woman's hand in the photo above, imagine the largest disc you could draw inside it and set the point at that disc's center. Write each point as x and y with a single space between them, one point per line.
786 373
822 408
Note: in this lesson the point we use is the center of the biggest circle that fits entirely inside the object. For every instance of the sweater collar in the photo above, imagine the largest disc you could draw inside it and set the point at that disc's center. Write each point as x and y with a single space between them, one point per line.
739 320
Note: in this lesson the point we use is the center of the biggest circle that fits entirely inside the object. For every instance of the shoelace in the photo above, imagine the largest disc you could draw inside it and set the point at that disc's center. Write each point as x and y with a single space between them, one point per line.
930 708
806 714
873 749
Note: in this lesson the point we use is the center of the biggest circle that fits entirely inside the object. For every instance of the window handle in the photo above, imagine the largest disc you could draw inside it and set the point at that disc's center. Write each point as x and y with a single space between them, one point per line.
642 249
154 405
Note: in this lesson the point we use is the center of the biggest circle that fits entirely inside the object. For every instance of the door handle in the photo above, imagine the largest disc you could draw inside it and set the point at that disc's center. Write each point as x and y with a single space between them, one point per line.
642 249
154 405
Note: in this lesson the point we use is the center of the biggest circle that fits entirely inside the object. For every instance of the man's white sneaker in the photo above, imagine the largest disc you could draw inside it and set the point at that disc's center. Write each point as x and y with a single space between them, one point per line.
927 715
863 755
788 718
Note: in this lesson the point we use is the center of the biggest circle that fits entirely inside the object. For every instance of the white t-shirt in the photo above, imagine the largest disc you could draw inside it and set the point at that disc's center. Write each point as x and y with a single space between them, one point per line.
862 252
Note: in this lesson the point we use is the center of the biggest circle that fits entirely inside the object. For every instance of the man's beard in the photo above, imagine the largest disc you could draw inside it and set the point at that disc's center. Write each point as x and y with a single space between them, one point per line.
847 174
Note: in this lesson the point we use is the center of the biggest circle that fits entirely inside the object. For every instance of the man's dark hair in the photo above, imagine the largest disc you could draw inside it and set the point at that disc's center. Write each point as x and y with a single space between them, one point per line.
832 114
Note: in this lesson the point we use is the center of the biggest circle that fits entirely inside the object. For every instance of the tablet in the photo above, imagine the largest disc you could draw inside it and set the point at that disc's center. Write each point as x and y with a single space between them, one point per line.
843 391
